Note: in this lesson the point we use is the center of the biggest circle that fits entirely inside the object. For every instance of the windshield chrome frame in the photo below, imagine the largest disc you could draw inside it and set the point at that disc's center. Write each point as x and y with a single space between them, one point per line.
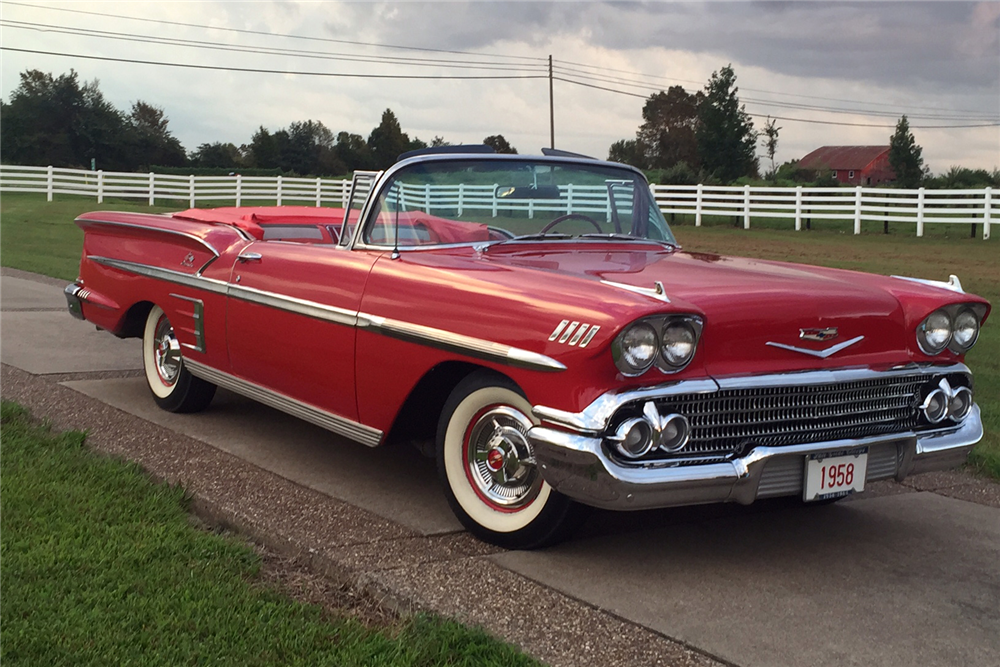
377 188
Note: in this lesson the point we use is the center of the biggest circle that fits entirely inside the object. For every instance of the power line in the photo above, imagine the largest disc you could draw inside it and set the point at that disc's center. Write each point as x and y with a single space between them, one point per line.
758 90
791 120
271 34
793 105
275 71
170 41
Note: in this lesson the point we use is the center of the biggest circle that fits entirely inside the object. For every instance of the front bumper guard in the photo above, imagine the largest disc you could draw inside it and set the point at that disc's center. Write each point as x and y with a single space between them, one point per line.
578 466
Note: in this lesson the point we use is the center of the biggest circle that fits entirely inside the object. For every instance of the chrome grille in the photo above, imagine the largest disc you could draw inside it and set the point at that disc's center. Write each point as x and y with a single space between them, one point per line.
734 421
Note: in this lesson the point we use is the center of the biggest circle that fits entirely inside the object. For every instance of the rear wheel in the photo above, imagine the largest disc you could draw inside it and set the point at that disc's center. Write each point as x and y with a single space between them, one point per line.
488 468
174 388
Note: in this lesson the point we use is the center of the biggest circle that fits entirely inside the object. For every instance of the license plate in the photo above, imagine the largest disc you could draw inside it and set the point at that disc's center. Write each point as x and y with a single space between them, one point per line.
835 474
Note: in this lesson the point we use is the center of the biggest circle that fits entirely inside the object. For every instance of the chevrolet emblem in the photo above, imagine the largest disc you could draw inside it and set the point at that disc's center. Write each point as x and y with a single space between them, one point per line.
818 334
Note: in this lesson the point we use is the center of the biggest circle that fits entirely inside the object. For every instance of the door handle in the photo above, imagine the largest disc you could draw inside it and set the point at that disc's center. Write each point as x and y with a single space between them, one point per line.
245 257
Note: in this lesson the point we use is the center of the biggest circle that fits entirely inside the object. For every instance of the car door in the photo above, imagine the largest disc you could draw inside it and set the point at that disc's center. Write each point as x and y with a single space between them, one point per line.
291 320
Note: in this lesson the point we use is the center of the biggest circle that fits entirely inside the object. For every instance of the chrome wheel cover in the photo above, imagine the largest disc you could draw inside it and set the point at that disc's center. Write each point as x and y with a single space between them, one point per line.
166 352
499 460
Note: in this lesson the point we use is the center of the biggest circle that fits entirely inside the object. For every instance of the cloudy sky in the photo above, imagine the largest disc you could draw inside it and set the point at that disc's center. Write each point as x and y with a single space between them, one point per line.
832 72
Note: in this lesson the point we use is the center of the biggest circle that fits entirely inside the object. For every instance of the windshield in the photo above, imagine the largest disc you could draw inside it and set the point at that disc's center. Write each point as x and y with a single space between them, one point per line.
481 200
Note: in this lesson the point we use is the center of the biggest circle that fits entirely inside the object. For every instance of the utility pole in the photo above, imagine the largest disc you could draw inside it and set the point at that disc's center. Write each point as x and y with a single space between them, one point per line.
552 110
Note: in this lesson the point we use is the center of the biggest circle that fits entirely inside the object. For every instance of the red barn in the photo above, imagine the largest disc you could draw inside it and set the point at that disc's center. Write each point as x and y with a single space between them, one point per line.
856 165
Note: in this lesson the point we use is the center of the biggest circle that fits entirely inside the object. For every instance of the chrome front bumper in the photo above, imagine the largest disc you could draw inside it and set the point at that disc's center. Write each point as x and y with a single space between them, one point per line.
578 466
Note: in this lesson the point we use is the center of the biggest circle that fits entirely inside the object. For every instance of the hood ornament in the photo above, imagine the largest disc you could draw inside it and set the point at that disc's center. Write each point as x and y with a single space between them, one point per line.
822 354
818 334
656 291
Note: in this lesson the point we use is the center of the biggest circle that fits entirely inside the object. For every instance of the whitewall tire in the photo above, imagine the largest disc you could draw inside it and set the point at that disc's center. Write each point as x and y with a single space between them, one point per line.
173 387
488 468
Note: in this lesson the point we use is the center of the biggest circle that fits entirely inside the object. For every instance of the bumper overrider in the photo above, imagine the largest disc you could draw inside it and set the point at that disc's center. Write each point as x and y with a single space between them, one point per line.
575 452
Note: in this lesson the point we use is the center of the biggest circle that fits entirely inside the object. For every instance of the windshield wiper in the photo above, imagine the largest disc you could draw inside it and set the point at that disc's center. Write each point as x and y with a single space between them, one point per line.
625 237
546 236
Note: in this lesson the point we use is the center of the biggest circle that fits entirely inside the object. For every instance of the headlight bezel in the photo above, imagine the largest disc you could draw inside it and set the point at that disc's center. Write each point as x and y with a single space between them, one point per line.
659 325
952 312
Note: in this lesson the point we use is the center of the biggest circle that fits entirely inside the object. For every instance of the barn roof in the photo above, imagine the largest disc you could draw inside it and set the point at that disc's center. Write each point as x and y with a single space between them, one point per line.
842 157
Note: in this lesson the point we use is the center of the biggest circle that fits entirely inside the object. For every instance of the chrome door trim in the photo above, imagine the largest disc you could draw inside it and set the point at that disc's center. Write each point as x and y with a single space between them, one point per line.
348 428
292 304
454 342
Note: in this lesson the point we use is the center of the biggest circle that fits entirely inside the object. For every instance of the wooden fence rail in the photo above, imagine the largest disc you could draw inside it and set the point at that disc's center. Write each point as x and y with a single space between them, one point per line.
802 204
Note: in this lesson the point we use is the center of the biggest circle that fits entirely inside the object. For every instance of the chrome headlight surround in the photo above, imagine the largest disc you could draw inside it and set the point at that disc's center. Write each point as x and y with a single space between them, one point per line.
627 348
962 322
632 361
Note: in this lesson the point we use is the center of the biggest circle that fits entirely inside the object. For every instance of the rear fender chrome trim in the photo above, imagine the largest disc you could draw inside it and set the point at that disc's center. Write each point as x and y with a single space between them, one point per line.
198 315
366 435
169 275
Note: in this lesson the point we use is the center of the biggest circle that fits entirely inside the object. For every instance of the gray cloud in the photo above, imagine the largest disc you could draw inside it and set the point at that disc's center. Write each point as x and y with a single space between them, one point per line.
941 48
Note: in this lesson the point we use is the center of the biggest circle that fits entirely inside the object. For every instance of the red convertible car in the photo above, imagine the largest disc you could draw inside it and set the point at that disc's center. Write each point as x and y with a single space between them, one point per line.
535 317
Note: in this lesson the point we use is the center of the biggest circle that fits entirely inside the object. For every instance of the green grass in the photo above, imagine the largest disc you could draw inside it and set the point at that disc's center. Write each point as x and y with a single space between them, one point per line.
103 567
40 237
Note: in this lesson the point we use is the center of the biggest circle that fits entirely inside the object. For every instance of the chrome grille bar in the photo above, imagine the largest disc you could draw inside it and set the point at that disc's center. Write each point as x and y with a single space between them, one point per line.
733 421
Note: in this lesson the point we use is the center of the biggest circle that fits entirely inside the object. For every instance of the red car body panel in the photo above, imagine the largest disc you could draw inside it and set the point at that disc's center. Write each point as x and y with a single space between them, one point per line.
514 295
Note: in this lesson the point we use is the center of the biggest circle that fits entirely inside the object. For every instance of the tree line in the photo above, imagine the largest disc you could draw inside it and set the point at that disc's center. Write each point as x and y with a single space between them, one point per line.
62 122
708 137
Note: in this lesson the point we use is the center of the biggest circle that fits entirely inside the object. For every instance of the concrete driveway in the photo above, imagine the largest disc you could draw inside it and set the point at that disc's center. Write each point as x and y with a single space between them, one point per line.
901 575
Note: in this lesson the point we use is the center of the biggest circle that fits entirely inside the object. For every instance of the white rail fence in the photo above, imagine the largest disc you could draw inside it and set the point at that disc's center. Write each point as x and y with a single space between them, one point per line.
800 204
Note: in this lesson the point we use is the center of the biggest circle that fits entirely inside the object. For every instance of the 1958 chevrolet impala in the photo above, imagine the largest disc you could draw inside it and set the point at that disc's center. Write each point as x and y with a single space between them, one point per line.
535 317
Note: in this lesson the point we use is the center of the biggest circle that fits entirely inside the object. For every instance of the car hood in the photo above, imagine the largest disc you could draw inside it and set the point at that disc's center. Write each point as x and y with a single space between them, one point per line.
758 314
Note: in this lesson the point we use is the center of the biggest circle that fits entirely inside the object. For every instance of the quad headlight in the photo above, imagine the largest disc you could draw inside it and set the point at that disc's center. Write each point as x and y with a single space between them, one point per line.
953 327
667 341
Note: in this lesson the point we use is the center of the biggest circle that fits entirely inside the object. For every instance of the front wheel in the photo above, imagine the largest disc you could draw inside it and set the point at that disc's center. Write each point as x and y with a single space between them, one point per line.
174 388
488 468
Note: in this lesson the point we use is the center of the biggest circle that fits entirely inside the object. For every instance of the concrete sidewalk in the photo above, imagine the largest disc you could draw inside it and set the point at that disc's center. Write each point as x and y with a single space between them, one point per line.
901 575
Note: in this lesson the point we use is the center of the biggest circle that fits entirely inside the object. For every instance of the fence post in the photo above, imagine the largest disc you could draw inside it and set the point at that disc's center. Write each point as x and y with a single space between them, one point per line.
191 197
319 190
152 188
569 199
857 210
461 198
920 212
100 186
345 190
746 207
239 189
987 212
278 192
495 186
798 208
49 184
427 197
698 206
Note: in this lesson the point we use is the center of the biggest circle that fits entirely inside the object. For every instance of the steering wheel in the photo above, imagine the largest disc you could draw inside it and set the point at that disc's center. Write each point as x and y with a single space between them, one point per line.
572 216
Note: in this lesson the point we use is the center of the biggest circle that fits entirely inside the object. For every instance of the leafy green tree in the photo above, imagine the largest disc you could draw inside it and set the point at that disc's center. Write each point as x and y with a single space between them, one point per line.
151 141
905 156
217 155
667 134
262 152
353 152
59 121
499 144
727 141
627 151
770 135
439 141
387 141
